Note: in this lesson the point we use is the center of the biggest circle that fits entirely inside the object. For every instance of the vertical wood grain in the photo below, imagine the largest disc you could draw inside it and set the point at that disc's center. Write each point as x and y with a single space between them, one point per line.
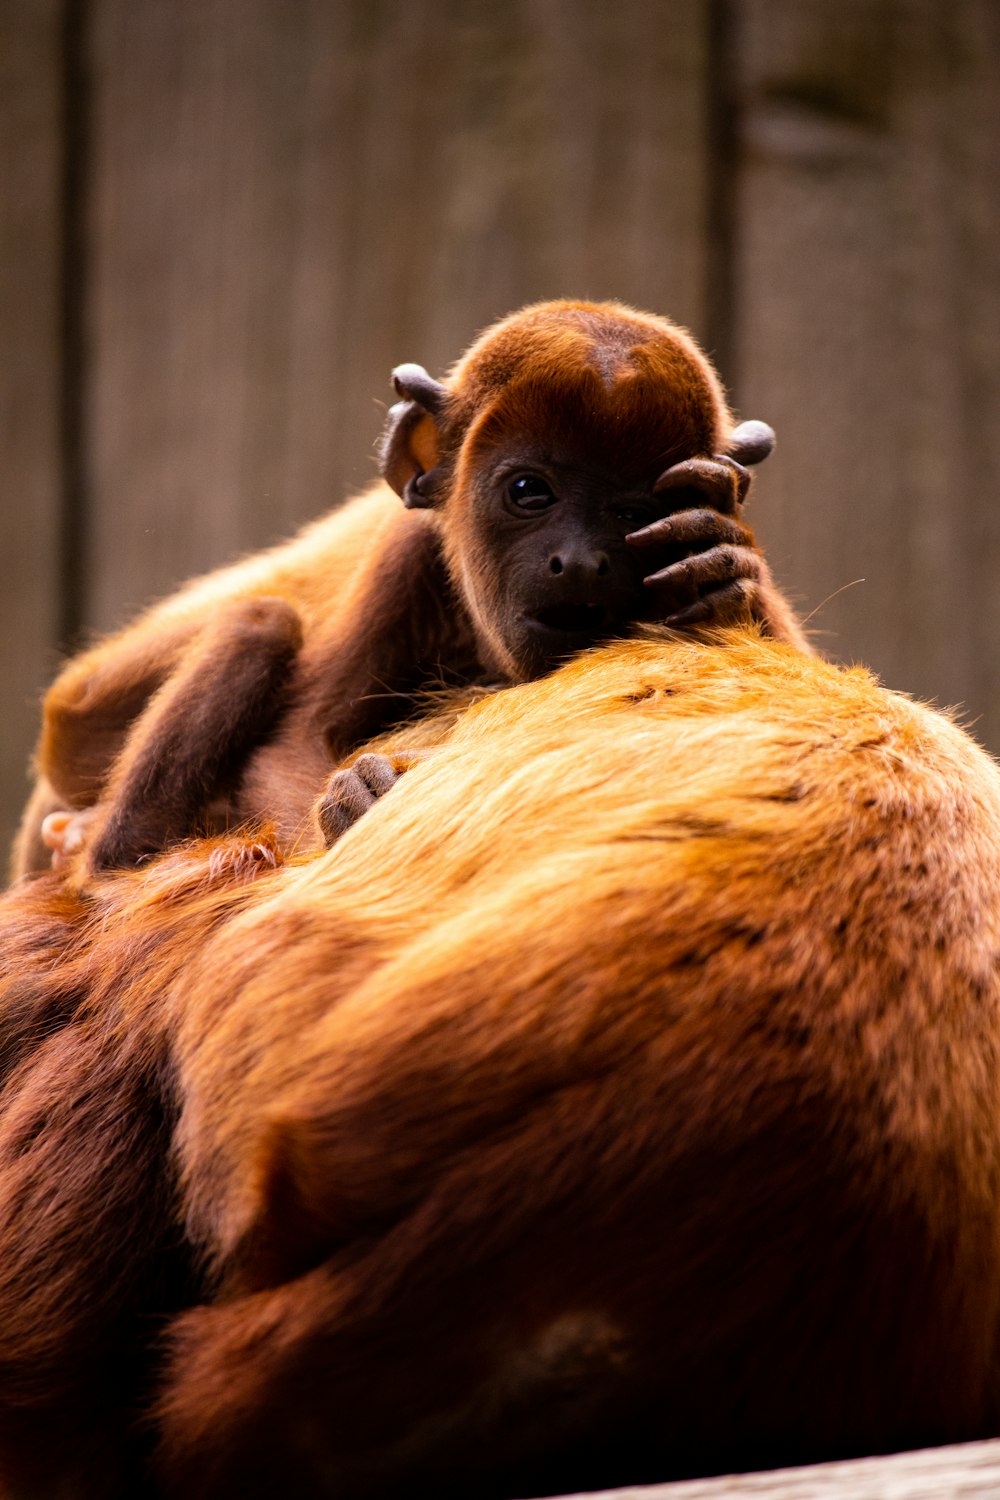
30 376
291 196
869 323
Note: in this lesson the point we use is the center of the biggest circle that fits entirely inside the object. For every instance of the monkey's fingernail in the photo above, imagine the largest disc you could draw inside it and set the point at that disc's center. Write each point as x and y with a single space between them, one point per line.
693 615
659 532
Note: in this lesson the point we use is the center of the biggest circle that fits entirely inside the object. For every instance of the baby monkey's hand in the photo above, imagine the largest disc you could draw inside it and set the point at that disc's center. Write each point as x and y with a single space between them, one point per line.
350 793
724 578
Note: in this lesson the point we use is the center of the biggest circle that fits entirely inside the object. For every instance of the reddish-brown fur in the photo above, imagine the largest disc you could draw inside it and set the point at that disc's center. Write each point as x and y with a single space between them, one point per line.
247 687
619 1099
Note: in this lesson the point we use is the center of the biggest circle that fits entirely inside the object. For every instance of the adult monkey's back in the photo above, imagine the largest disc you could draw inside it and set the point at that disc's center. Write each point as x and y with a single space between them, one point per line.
618 1099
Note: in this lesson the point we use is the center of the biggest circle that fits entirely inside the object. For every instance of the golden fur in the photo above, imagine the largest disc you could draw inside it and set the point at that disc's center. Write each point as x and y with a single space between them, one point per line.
618 1099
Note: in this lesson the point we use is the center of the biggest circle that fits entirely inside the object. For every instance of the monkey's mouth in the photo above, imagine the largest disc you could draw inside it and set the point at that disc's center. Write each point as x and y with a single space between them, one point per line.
571 619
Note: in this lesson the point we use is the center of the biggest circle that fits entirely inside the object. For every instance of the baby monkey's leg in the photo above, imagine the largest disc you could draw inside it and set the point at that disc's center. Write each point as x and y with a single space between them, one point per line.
194 734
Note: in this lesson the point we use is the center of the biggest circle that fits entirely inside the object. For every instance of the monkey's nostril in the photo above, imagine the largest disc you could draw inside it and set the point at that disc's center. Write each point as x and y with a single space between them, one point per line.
555 564
603 566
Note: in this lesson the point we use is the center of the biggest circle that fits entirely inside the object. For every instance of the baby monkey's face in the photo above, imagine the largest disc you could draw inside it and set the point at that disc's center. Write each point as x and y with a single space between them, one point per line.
546 564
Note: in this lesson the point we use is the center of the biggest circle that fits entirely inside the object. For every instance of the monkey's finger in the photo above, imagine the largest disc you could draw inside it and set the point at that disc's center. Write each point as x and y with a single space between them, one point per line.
724 606
377 772
697 529
721 480
751 442
711 569
345 800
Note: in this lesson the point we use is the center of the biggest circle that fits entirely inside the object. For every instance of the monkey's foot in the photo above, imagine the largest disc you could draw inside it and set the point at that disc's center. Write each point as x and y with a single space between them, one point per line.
243 858
66 833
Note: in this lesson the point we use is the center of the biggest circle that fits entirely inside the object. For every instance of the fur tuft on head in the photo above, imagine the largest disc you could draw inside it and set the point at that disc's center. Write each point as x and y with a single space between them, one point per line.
637 384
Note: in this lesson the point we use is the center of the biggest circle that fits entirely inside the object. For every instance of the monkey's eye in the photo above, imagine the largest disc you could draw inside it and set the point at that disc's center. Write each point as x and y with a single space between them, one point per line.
530 492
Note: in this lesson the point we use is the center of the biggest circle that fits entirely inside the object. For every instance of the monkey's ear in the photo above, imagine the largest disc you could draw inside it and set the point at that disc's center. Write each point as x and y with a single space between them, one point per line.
411 447
751 442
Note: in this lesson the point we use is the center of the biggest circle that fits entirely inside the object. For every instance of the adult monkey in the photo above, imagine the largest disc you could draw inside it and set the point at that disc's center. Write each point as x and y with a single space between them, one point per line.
619 1100
535 481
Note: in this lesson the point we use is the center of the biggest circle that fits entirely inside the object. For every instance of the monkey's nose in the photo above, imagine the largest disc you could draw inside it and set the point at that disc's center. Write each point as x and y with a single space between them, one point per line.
580 566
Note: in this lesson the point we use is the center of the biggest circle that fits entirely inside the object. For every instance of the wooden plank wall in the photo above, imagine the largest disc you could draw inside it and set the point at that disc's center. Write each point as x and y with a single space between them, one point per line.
289 197
869 320
31 416
225 220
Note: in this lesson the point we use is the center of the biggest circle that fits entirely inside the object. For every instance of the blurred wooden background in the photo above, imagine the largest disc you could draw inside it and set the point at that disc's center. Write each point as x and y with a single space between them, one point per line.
222 223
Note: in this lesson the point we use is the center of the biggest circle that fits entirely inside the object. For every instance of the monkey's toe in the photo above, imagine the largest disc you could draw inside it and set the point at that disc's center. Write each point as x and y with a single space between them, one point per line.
345 800
377 772
65 833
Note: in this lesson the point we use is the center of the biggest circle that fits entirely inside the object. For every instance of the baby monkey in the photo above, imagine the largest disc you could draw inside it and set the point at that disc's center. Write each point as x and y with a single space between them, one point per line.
578 472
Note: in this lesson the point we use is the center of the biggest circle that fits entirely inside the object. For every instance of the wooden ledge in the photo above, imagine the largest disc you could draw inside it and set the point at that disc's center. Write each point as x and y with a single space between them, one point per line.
961 1472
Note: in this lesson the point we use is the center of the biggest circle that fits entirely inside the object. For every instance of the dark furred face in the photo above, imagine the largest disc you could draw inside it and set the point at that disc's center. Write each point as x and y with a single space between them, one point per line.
540 456
542 559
